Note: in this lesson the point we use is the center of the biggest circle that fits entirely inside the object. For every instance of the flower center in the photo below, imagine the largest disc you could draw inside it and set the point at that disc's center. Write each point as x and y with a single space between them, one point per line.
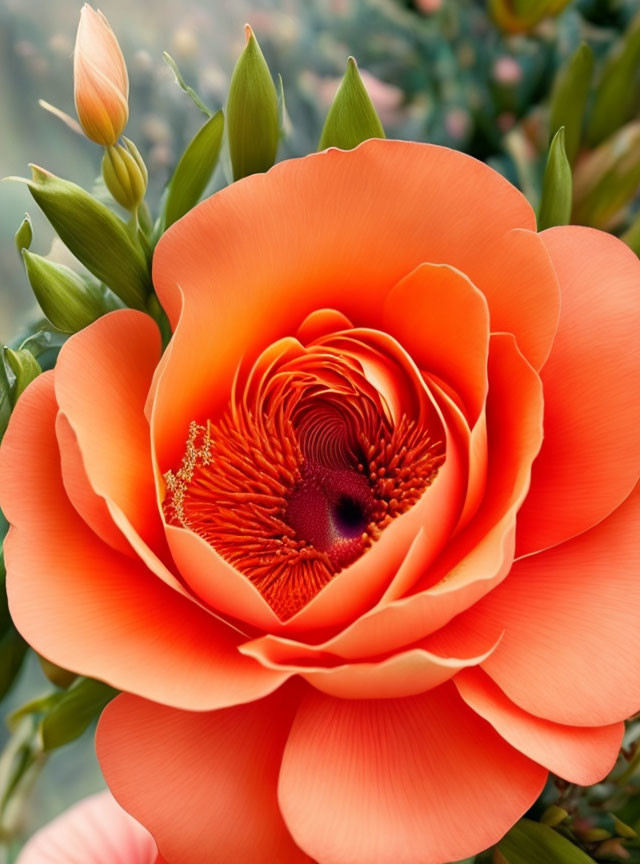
304 469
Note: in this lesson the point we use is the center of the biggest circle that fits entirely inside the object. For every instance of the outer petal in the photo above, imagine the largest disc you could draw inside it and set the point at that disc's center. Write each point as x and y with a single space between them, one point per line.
342 229
102 379
95 831
403 780
203 783
442 321
590 459
95 611
571 645
582 755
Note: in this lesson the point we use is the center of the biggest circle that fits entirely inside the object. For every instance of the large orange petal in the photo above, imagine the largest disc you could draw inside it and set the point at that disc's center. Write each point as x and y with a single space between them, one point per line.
581 755
442 321
204 784
335 229
92 610
404 780
571 645
590 459
521 286
102 379
94 831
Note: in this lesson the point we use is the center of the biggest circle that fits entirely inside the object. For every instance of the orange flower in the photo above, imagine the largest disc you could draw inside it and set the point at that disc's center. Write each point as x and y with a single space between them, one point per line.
94 831
360 603
101 83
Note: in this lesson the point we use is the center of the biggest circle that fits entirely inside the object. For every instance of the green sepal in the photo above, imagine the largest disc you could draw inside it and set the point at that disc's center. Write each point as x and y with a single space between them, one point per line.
68 300
352 118
569 98
618 90
25 368
253 116
74 712
95 235
125 174
24 234
194 170
557 186
533 843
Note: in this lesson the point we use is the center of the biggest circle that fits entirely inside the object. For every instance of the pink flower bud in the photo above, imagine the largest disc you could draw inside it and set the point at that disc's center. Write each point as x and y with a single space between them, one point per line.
101 82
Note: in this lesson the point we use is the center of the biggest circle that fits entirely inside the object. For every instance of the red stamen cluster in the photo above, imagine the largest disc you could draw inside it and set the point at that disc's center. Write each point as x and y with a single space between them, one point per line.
300 475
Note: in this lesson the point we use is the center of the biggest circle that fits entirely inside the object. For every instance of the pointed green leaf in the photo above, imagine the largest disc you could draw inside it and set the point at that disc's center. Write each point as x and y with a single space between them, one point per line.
6 398
569 97
24 234
171 63
533 843
618 91
557 185
352 118
95 235
74 711
253 117
194 170
24 366
68 300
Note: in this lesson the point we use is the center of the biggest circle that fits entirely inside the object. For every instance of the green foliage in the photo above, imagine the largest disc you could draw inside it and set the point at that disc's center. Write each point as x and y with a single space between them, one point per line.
569 98
194 170
534 843
352 117
95 235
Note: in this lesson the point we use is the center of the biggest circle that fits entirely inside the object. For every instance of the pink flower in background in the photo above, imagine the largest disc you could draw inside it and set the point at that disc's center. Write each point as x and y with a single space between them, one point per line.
94 831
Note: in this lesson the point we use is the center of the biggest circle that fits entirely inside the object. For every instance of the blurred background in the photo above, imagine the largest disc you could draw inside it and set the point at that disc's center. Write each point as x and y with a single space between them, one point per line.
447 71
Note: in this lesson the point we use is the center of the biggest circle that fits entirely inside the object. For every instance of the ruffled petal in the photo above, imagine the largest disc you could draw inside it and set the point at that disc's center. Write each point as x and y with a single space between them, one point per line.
90 609
570 650
204 784
582 755
322 234
590 459
404 780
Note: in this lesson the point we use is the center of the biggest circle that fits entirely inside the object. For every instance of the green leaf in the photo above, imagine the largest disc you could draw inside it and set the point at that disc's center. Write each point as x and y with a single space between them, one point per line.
557 186
68 300
632 235
171 63
95 235
194 170
352 118
74 711
13 650
569 97
24 234
24 366
533 843
618 91
253 116
6 398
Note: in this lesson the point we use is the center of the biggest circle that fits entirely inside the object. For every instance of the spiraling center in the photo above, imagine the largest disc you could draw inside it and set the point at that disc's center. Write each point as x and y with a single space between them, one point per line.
323 448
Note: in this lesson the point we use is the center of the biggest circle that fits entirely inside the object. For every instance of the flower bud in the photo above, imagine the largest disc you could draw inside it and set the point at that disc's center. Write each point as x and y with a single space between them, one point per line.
253 116
101 83
352 118
125 174
24 366
69 301
555 205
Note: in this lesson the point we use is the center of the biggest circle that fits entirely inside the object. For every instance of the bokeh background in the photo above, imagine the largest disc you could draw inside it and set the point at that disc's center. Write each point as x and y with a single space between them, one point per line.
437 70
